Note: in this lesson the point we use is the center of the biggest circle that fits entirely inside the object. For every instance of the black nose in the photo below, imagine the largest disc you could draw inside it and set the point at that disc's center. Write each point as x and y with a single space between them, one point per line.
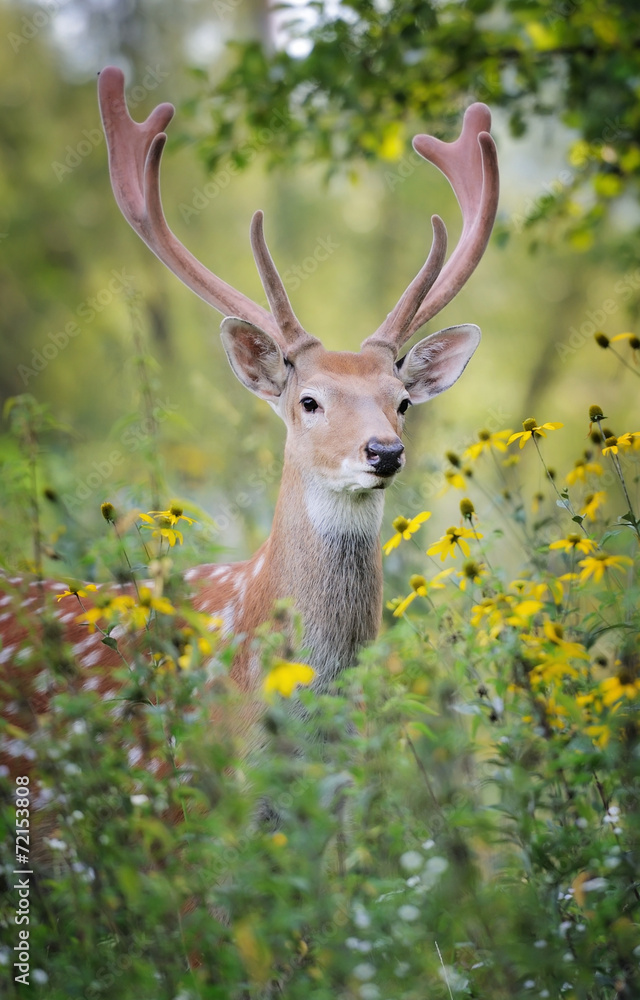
385 459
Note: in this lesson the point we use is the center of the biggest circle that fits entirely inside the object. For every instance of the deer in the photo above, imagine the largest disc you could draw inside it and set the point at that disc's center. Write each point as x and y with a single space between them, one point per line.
344 411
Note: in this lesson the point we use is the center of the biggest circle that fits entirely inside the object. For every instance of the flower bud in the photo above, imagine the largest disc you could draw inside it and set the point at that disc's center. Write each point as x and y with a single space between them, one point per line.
108 512
601 339
400 523
452 458
466 507
595 412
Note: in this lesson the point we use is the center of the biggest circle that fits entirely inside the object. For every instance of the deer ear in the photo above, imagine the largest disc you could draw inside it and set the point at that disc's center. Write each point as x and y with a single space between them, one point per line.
255 357
436 362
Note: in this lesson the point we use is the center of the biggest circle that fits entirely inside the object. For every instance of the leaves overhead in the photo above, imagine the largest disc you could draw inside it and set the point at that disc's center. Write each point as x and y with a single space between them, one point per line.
373 74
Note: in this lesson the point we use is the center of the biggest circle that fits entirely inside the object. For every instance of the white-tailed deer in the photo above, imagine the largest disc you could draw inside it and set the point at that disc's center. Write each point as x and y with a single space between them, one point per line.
344 411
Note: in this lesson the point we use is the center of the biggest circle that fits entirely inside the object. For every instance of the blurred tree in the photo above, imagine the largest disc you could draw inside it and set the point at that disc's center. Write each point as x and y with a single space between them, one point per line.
352 81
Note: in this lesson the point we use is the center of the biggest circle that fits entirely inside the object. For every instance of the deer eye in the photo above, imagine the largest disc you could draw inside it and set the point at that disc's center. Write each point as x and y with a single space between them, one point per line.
404 406
309 404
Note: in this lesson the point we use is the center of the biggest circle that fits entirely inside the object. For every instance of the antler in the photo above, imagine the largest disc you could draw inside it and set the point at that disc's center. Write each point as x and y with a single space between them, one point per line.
470 164
135 151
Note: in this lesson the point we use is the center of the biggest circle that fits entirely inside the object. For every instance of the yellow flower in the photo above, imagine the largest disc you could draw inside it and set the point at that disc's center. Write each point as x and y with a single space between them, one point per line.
126 610
634 340
592 503
405 529
611 446
574 541
471 572
581 470
452 537
80 591
486 441
455 479
621 686
594 566
420 588
172 515
531 429
162 523
284 677
630 440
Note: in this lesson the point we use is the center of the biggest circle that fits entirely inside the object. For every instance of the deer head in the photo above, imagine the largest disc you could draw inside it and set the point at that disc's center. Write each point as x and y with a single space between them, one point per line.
344 411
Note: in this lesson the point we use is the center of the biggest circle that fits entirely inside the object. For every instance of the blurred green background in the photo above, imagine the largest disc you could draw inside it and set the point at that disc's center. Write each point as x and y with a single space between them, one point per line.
352 83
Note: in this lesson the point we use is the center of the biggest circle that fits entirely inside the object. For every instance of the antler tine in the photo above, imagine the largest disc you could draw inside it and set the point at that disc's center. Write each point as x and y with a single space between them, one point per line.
470 164
135 151
290 327
393 332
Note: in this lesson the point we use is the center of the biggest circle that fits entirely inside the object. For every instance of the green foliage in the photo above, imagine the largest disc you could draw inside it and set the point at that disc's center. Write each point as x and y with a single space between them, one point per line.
467 825
373 74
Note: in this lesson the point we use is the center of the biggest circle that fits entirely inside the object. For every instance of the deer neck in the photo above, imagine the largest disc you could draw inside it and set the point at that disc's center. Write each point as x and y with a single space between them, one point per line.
324 554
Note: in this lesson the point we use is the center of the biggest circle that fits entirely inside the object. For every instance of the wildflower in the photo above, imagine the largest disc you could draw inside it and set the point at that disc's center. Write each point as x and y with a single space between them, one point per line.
611 445
594 566
405 529
601 340
467 509
79 591
581 470
592 503
172 515
162 523
471 572
531 429
284 677
486 441
453 458
108 512
630 440
504 609
455 479
595 413
452 537
420 588
538 499
634 340
622 685
126 610
574 541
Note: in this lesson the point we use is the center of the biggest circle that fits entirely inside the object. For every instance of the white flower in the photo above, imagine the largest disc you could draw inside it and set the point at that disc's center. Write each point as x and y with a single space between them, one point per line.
411 861
369 991
39 976
364 971
55 844
360 916
138 800
408 912
593 884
